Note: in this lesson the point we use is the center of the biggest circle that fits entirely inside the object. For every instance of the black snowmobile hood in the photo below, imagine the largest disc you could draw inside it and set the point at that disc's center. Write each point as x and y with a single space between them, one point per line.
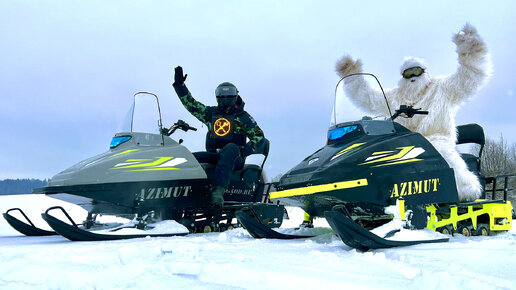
369 168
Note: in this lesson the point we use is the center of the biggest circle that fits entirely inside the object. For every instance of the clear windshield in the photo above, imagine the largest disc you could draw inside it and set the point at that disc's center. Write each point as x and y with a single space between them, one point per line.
358 96
144 116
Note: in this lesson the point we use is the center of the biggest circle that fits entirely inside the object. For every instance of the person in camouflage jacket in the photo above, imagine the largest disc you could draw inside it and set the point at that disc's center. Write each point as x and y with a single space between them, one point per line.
229 127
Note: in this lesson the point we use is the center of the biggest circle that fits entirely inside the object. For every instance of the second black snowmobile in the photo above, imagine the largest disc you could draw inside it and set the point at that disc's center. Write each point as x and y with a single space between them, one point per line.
147 174
373 163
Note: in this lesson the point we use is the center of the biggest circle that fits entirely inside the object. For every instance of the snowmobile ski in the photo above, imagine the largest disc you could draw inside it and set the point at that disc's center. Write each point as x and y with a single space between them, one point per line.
27 229
74 233
260 231
363 240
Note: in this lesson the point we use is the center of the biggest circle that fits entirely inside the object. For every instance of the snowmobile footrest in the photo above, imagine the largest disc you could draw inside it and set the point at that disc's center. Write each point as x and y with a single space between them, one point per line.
260 231
363 240
27 229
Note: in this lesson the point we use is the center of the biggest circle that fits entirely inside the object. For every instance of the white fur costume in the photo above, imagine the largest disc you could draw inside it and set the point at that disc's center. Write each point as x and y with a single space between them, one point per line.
440 96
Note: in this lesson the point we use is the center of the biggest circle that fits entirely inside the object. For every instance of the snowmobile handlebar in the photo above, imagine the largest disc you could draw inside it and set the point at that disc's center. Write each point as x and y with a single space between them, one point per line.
408 112
180 124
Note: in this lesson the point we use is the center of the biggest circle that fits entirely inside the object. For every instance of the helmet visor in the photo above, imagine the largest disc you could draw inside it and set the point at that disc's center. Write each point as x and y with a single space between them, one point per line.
226 91
226 101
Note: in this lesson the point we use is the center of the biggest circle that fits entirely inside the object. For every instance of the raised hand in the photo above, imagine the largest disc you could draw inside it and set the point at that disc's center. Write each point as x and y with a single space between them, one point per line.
468 41
179 78
346 66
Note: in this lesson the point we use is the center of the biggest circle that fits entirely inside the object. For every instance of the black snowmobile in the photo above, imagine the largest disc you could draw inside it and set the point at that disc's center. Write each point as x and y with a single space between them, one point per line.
370 164
147 174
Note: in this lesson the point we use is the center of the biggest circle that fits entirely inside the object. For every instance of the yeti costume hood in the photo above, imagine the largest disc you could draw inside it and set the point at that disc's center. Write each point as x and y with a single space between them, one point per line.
411 61
411 88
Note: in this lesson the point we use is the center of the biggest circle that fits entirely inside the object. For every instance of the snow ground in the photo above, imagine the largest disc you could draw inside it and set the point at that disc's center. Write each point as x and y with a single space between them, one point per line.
234 260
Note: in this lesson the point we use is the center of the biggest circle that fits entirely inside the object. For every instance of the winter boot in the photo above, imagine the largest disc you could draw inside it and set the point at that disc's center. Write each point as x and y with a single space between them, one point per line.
217 196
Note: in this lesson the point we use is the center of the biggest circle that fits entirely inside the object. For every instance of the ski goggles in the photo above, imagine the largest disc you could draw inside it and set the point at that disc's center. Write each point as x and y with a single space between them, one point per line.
413 72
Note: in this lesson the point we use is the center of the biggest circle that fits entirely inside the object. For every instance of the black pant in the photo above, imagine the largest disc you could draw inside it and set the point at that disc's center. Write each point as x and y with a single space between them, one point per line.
226 160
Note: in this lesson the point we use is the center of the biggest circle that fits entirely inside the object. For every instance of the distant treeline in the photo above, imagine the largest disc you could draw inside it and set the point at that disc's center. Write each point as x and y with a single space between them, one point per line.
20 186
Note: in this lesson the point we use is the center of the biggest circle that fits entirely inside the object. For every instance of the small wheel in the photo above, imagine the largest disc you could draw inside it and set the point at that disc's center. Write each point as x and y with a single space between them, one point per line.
445 230
465 231
207 229
483 231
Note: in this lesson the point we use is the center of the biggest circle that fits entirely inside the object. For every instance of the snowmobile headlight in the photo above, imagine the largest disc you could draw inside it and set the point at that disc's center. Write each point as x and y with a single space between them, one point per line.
338 133
118 140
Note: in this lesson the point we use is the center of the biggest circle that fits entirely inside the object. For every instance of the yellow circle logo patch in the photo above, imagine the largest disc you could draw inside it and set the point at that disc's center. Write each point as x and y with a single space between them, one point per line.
222 127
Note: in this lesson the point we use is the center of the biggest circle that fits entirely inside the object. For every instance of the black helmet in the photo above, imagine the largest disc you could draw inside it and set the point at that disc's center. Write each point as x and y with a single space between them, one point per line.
226 94
226 89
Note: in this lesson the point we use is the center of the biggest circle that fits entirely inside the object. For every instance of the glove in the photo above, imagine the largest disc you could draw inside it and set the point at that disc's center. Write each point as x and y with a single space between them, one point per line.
179 78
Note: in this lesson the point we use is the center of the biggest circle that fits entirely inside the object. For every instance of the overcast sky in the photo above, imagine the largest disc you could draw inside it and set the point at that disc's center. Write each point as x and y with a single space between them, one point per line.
68 69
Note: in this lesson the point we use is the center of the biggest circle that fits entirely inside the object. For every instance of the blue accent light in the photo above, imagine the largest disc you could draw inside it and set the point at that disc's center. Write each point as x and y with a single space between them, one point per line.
338 133
119 140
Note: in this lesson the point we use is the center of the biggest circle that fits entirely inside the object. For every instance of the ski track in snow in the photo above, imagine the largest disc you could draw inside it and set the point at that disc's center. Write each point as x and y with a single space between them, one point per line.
234 260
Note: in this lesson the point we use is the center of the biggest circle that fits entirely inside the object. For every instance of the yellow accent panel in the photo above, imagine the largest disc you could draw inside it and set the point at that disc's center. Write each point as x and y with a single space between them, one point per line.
154 169
349 148
401 205
398 162
319 188
306 217
403 152
125 152
495 211
382 152
158 161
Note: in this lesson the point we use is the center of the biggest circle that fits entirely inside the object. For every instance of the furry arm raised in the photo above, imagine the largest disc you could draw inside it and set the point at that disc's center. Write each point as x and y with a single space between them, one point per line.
474 65
357 88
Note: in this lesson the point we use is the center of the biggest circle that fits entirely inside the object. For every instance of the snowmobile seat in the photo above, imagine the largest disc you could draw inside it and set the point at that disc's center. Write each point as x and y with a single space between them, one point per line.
473 134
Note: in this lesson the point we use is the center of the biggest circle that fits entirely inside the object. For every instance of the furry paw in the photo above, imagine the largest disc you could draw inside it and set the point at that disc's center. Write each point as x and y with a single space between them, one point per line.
468 41
346 66
468 186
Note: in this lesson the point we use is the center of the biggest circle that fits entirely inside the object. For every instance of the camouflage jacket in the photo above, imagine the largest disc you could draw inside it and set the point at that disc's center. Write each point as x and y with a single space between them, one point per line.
243 124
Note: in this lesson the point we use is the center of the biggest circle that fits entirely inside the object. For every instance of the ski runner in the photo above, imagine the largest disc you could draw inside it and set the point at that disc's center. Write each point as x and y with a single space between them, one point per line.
228 128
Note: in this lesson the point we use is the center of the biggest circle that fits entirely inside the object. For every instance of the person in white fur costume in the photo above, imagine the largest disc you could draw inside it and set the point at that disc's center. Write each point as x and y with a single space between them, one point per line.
440 96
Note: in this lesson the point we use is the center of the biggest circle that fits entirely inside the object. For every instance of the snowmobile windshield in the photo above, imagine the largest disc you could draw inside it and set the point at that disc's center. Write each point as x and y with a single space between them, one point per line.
360 104
144 116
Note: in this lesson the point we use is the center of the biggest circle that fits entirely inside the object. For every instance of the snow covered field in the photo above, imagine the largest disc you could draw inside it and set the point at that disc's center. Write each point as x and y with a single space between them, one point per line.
234 260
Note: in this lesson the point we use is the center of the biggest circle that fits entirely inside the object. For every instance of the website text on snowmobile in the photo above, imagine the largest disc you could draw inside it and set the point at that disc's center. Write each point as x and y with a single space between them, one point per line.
373 163
148 176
